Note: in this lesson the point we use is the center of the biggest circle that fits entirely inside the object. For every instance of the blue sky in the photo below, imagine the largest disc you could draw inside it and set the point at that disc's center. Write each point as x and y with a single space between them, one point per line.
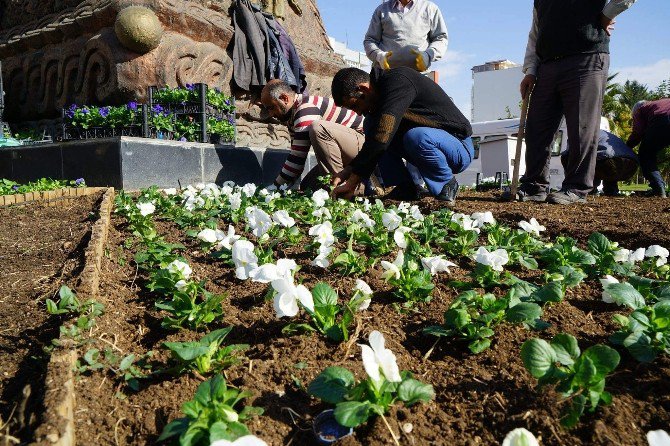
483 30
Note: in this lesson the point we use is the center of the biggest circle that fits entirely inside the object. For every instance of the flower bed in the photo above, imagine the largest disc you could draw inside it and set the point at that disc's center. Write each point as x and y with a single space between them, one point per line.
468 308
8 187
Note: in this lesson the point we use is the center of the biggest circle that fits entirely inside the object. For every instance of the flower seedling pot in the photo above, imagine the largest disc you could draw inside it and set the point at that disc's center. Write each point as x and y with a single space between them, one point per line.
327 430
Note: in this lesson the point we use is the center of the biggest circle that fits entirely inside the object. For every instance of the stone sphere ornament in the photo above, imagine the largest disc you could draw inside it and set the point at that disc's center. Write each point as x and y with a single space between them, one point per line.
138 29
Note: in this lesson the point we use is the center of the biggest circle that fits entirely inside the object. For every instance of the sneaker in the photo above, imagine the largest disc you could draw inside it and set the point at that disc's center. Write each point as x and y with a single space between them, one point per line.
403 192
565 197
522 195
448 193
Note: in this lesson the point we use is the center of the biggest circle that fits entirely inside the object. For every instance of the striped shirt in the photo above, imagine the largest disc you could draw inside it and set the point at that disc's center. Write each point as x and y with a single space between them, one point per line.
307 110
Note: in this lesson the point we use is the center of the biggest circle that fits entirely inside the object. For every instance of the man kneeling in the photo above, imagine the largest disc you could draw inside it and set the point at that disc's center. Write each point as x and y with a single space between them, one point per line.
410 117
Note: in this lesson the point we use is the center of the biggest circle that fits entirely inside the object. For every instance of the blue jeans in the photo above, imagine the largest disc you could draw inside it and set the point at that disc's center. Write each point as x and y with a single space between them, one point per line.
436 153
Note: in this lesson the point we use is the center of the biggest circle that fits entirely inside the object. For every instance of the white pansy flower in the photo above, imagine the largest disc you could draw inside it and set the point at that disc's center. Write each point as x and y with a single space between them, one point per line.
364 219
323 233
322 213
367 205
247 440
520 437
228 239
391 220
466 222
436 264
320 197
180 268
321 261
658 438
283 269
532 226
146 208
244 258
483 218
170 191
208 235
400 237
658 251
235 201
259 220
226 190
362 295
288 295
283 218
637 255
495 259
392 270
415 213
210 190
378 360
622 255
607 280
272 196
180 285
249 189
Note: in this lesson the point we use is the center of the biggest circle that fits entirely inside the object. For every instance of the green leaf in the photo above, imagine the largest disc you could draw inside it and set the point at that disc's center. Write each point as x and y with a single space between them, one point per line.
187 351
625 294
332 385
216 336
551 292
538 356
598 244
639 345
324 295
479 345
566 348
127 362
52 308
572 414
571 276
411 391
456 318
528 262
176 427
352 413
523 312
604 358
585 371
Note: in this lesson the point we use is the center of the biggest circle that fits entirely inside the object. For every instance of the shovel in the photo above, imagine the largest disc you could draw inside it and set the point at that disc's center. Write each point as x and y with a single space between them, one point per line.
519 141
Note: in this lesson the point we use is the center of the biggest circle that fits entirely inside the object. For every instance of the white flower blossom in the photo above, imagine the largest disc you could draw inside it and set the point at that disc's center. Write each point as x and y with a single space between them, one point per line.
520 437
415 213
228 239
364 219
249 189
495 259
658 251
622 255
146 208
283 269
259 220
322 213
323 233
607 280
400 238
180 268
244 258
362 295
466 222
283 218
247 440
208 235
180 285
391 220
436 264
320 197
378 360
532 227
288 295
658 438
637 255
271 196
170 191
483 218
235 201
392 269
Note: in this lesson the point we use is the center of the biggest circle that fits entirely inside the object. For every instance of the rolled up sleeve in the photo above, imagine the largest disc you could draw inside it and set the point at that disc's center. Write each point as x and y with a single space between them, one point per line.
616 7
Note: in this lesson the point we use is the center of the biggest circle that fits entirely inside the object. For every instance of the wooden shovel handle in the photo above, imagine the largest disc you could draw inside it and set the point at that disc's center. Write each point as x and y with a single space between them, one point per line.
519 141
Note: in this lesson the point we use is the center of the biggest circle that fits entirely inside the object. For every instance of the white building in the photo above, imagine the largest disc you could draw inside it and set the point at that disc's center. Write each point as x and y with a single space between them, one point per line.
495 91
352 58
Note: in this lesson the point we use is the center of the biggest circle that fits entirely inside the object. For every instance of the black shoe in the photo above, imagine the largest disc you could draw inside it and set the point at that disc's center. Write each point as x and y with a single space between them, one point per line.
448 193
403 192
522 195
422 191
565 197
655 192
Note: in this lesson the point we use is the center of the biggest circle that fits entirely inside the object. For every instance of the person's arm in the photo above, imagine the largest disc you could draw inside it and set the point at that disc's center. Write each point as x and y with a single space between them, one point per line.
531 61
395 94
615 7
300 144
639 125
438 36
374 37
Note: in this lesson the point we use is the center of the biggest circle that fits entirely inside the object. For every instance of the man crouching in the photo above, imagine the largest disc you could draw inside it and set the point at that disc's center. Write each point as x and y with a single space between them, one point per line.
407 117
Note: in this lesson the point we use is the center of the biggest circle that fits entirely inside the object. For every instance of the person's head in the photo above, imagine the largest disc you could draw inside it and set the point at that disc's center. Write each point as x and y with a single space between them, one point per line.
636 107
352 89
277 98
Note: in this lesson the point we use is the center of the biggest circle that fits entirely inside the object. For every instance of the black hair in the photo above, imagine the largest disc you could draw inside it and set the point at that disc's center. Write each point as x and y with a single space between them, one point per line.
346 82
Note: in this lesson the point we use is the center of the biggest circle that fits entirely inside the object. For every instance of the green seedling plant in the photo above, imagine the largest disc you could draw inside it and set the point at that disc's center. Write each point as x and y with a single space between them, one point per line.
130 368
411 281
520 245
564 252
189 309
473 317
206 355
356 402
69 304
212 415
604 252
578 376
352 263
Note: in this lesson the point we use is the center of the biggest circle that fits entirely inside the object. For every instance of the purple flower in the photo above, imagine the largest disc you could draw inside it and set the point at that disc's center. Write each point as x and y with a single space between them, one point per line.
15 187
190 87
85 111
79 182
231 120
69 112
183 139
104 112
157 108
227 102
132 105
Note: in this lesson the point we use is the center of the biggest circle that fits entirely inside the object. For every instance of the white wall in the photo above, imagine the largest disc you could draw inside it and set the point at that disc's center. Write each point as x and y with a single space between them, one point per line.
493 91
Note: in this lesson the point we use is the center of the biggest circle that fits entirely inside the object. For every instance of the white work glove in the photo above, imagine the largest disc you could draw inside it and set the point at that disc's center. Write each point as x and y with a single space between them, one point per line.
422 61
383 59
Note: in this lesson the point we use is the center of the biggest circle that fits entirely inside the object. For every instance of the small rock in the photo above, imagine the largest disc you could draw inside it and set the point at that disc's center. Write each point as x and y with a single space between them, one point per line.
67 246
407 428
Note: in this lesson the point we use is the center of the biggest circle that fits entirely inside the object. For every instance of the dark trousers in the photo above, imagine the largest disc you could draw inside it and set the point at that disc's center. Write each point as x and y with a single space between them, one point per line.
573 87
655 139
609 171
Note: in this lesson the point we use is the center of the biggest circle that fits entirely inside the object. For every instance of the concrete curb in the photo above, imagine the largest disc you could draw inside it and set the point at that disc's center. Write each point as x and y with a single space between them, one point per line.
58 427
50 196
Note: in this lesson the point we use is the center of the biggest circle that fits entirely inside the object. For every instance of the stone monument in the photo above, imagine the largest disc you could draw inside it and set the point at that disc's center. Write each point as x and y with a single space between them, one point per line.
59 52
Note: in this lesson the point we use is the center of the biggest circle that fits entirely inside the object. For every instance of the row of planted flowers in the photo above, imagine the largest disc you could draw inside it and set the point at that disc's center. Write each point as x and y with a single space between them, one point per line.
171 113
351 238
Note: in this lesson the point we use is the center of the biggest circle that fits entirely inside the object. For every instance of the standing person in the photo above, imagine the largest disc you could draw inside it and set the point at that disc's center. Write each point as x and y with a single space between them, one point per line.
566 64
313 121
651 129
408 116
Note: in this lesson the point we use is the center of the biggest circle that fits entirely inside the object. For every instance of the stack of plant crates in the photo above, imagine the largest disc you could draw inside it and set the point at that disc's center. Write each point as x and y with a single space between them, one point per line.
195 113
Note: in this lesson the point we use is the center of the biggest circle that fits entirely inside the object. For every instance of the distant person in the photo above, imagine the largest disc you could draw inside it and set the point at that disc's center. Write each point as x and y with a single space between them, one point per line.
566 64
651 129
313 121
409 33
408 117
615 162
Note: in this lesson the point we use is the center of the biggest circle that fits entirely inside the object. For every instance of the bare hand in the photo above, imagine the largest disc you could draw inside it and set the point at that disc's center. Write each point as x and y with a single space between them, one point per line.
607 24
527 85
345 184
341 176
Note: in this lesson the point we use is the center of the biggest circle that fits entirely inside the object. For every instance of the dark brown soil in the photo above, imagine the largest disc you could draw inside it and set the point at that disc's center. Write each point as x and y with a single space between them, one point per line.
41 249
479 398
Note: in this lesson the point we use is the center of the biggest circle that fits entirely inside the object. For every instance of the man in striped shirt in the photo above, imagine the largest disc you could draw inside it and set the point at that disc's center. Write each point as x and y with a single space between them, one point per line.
335 133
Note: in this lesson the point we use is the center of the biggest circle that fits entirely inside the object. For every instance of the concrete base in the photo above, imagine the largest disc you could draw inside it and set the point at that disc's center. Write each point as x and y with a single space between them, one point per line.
135 163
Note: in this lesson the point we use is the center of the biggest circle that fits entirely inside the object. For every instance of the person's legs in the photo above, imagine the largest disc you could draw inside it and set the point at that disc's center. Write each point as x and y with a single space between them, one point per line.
612 170
655 139
581 86
437 155
334 145
544 117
